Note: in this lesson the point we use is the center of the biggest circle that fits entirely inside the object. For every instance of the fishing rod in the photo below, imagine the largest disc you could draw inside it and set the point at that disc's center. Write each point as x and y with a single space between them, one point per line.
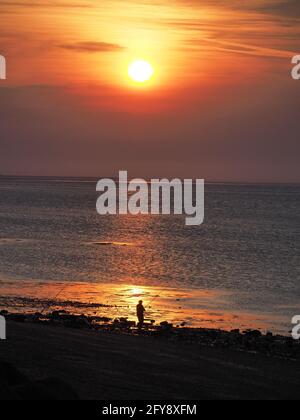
54 298
48 306
152 300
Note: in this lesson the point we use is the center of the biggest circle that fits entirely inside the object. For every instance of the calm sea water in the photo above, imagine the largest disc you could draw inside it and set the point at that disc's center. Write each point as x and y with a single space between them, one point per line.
239 269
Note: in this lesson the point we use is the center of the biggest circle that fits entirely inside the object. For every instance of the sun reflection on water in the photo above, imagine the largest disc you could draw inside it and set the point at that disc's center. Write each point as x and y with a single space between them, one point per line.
189 307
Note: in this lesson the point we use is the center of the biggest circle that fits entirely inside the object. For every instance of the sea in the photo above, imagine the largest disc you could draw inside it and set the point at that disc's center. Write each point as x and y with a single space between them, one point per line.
238 270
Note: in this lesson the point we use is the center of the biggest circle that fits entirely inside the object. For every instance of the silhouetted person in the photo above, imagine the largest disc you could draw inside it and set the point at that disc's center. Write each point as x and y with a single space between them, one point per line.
140 310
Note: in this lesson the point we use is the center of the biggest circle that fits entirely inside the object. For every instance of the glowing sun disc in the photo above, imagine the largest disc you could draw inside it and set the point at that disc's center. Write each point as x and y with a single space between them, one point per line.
140 71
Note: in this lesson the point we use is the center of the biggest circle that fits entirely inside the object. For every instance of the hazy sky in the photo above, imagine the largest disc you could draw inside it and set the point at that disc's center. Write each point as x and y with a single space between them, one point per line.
222 104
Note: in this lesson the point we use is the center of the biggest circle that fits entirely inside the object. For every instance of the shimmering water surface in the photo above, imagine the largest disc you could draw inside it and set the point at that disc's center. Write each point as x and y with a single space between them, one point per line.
239 269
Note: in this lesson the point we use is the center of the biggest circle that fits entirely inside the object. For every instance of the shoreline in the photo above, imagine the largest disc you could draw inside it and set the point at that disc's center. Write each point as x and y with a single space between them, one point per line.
198 308
248 340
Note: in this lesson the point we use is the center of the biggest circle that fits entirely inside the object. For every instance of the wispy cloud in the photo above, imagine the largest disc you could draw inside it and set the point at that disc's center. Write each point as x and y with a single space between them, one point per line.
231 47
261 28
281 7
91 47
44 4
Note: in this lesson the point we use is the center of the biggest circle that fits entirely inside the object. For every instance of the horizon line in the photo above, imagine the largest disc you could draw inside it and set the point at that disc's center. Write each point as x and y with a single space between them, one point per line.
207 181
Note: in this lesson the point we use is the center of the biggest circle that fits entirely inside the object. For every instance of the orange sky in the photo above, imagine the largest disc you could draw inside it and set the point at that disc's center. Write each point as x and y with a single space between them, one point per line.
214 60
187 41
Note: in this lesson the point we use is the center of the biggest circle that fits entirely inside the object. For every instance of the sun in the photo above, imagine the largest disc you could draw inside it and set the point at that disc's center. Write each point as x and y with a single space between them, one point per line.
140 71
136 291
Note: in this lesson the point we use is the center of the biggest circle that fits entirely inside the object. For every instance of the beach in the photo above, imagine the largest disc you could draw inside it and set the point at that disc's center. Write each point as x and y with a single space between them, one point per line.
113 366
55 249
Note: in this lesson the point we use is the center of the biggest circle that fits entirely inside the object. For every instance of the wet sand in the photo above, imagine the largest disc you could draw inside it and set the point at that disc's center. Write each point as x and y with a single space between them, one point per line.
107 366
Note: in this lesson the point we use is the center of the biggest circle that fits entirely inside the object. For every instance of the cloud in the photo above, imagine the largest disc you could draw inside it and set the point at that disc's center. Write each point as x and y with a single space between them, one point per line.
92 47
46 4
232 47
258 27
282 7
